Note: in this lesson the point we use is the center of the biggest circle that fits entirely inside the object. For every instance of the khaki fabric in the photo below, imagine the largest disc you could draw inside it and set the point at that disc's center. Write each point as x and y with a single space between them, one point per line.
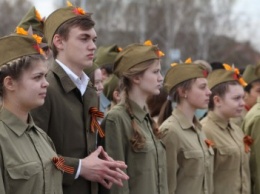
66 119
231 163
147 166
189 159
251 73
251 126
26 158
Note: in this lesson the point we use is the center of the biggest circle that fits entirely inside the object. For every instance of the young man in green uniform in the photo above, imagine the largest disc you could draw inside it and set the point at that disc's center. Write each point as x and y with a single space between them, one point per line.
66 115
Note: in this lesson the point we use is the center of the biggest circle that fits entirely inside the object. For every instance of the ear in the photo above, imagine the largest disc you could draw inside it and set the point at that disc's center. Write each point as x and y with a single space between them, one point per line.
9 83
58 41
136 79
217 101
246 95
182 92
116 96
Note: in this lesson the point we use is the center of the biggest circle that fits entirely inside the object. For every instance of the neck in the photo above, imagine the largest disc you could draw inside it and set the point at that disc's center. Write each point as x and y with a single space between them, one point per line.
137 96
16 109
71 66
187 110
220 115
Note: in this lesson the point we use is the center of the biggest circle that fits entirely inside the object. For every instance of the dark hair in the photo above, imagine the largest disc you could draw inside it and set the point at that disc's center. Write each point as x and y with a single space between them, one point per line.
154 102
108 68
174 96
250 85
16 67
220 90
137 140
83 22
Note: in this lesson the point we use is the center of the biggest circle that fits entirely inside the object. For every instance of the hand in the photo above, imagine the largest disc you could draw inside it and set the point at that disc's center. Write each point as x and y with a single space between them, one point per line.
106 172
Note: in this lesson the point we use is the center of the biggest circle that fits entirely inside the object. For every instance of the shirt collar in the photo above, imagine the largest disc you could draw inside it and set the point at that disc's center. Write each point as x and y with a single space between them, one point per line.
183 121
80 82
223 124
14 123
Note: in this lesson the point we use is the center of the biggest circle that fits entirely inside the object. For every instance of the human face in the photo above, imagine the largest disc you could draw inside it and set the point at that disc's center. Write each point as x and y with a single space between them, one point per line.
98 83
232 103
251 97
77 52
151 80
30 89
198 95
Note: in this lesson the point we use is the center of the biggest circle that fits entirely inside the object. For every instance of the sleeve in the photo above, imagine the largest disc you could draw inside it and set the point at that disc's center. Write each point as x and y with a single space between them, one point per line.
2 188
170 141
114 145
253 131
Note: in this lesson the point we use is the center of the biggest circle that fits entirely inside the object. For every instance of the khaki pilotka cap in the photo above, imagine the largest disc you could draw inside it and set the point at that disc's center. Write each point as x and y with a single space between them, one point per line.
110 85
106 55
133 55
15 46
60 16
183 72
32 18
219 76
251 73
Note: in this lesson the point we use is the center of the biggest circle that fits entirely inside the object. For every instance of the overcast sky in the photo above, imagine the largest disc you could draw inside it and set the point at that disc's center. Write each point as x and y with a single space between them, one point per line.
247 8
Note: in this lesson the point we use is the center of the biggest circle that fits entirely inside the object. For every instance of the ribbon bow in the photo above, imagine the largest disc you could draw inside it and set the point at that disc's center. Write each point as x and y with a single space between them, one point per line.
237 75
94 123
248 140
59 163
209 143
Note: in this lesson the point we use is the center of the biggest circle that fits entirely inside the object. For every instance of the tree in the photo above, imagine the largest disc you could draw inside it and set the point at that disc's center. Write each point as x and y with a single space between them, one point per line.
11 13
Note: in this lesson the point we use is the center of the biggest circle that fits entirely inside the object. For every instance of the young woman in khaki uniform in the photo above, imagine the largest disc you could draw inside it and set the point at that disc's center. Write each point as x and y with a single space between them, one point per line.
130 133
26 152
189 152
231 146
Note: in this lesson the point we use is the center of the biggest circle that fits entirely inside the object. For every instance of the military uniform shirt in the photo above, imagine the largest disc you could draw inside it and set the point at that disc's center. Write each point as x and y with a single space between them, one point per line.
251 126
146 166
26 154
189 158
231 164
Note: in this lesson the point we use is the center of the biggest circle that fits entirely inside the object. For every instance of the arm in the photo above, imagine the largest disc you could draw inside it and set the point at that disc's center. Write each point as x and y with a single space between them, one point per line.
115 145
170 141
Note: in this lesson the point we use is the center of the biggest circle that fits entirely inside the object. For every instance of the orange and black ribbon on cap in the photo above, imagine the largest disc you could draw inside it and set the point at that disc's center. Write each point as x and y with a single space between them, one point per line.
248 141
59 162
94 123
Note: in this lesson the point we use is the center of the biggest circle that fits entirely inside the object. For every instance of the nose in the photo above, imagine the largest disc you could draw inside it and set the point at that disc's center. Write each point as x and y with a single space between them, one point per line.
45 83
92 45
242 102
160 77
208 91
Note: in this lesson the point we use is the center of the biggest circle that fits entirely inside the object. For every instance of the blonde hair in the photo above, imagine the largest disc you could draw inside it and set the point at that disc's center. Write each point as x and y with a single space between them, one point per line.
137 140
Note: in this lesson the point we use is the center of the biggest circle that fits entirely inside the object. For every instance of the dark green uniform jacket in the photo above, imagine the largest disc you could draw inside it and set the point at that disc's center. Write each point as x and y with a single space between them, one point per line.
26 154
66 119
147 166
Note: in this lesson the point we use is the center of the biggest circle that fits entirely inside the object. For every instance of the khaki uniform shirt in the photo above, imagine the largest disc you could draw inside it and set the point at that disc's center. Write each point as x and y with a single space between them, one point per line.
251 126
189 159
26 155
147 166
231 164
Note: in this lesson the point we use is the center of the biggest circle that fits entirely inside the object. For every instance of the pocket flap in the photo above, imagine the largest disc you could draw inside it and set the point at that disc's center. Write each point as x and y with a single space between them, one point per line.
193 154
226 150
24 171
